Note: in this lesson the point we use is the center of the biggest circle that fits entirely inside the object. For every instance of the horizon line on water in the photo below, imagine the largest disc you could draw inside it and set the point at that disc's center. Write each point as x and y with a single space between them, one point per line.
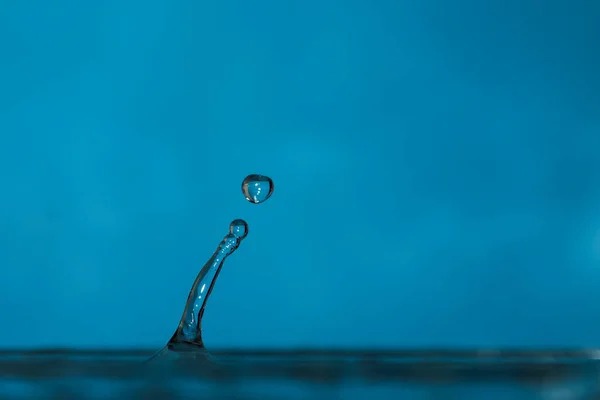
399 352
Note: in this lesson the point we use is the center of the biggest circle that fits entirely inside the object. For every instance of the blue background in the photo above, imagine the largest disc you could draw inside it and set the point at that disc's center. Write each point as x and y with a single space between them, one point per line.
436 169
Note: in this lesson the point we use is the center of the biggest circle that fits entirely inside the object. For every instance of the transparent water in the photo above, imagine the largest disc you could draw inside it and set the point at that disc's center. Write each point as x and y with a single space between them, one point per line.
454 151
257 188
186 369
189 329
330 375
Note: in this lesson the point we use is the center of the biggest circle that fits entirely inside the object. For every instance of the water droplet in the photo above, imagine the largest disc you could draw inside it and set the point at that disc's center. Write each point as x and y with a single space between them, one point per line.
257 188
239 228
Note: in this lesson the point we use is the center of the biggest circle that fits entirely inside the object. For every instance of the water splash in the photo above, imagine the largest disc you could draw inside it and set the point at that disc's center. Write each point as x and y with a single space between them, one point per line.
187 339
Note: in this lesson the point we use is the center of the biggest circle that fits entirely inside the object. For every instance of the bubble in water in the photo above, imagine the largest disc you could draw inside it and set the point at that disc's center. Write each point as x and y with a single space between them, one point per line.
238 228
257 188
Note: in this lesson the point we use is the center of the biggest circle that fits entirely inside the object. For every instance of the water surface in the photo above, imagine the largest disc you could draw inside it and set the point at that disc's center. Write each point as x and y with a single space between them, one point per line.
301 374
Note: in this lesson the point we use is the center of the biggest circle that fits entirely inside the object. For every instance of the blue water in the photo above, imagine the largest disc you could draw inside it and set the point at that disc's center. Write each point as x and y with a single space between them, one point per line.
189 329
327 375
436 164
257 188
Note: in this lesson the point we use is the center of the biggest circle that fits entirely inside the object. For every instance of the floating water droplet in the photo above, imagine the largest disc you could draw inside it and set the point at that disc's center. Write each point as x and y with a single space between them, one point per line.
238 228
257 188
188 336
